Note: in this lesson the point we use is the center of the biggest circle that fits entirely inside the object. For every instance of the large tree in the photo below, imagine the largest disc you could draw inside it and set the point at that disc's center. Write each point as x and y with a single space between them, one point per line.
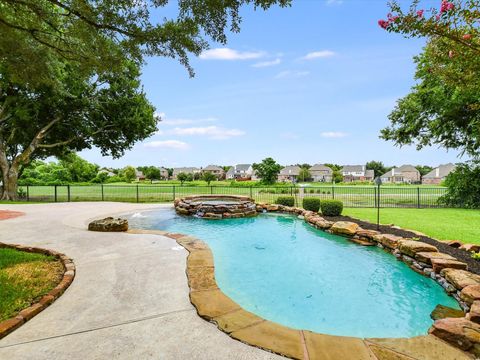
109 111
267 170
443 107
95 33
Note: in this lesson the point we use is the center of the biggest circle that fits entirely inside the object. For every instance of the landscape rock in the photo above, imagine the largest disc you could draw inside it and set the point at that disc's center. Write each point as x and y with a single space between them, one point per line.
273 207
474 314
442 312
439 264
460 278
427 257
459 332
109 224
344 227
367 234
411 247
388 240
470 247
470 293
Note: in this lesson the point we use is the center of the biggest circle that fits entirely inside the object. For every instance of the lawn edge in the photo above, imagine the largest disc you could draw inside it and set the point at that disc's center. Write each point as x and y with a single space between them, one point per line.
13 323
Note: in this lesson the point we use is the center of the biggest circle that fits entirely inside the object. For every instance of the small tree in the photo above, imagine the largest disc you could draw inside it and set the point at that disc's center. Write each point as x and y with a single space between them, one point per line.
463 187
208 177
267 170
182 177
304 174
377 167
129 173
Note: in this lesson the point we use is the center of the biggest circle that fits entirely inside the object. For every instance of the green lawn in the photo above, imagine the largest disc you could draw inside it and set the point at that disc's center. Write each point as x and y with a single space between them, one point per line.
24 278
443 224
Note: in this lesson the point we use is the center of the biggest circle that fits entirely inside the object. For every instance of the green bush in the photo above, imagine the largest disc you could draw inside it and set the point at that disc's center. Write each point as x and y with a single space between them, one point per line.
285 201
312 204
331 207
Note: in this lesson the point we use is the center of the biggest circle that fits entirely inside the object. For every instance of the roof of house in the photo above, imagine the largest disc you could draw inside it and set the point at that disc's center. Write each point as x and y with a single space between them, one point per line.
398 171
161 168
370 173
231 171
443 171
139 173
353 168
321 167
213 168
290 170
408 168
242 167
185 170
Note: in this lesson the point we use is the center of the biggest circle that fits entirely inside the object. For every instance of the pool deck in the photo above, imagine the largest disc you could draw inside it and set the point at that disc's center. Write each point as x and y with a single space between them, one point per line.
130 299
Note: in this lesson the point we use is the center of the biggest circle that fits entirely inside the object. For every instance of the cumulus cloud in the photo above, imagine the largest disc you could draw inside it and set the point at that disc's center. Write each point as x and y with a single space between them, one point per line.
291 74
230 54
169 144
267 63
333 134
318 55
212 132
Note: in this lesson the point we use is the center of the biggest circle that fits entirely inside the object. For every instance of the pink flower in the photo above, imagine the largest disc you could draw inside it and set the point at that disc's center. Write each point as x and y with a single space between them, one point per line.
467 37
437 17
383 24
420 13
446 6
451 54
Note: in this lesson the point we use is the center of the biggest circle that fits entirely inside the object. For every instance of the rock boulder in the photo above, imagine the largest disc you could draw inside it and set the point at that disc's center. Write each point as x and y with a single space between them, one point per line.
344 228
470 293
460 278
459 332
109 224
411 247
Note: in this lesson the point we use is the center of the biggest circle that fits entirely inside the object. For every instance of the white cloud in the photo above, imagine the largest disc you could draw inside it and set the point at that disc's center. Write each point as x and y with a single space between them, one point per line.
182 121
267 63
334 2
318 55
291 74
230 54
169 144
333 134
213 132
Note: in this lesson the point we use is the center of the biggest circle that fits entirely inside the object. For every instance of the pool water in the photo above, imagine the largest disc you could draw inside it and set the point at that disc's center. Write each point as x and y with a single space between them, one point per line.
286 271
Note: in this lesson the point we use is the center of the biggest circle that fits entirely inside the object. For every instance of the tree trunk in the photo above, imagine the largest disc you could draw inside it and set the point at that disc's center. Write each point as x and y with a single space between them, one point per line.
10 178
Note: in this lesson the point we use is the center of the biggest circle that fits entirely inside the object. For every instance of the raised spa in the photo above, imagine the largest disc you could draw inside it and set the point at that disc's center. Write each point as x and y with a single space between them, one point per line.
286 271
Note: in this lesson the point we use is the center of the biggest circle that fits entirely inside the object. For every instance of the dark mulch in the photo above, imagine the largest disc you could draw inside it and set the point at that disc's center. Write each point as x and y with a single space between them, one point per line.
473 265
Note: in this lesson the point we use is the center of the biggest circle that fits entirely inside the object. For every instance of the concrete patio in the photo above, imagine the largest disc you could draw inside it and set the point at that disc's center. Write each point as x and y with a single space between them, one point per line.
129 299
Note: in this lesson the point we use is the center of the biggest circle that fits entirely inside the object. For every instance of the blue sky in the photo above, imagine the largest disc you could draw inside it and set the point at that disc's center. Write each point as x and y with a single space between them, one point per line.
313 83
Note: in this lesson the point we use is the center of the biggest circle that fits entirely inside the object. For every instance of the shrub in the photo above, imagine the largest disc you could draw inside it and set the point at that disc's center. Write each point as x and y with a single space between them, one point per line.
285 201
312 204
331 207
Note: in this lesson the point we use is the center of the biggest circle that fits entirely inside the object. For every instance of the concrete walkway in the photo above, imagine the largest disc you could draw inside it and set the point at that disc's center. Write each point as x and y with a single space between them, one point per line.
129 299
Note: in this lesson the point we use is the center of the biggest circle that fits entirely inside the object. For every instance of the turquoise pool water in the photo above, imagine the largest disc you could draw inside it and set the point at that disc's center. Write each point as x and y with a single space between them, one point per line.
284 270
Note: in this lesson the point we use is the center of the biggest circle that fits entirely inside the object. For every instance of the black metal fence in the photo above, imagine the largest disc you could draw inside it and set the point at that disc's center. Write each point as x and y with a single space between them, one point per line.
351 196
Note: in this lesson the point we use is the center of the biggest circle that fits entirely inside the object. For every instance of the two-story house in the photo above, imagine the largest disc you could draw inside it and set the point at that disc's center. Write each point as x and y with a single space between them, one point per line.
437 175
215 170
240 172
406 174
321 173
289 173
357 173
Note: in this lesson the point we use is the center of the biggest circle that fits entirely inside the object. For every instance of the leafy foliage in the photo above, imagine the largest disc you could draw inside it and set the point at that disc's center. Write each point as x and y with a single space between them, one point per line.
377 167
312 204
129 173
182 177
304 174
208 177
285 201
463 187
267 170
331 207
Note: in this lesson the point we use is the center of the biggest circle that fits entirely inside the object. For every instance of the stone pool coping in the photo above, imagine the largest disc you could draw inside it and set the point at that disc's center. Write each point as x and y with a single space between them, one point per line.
216 307
9 325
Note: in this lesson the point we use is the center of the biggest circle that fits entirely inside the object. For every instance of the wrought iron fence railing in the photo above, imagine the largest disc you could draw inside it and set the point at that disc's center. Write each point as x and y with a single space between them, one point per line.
351 196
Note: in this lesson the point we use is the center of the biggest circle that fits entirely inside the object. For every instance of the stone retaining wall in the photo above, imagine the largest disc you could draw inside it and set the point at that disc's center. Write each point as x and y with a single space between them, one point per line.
9 325
232 206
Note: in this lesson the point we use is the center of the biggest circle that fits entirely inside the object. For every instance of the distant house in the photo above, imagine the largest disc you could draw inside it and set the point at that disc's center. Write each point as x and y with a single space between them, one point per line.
289 173
215 170
186 170
109 172
139 175
437 175
163 173
321 173
406 174
356 173
240 171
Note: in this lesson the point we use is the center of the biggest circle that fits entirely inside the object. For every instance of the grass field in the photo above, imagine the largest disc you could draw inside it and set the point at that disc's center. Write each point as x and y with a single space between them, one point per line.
352 196
443 224
24 278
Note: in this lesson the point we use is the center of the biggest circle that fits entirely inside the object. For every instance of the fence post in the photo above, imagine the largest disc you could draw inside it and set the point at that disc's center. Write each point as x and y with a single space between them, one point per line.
211 189
333 192
418 197
173 192
68 192
103 194
55 193
375 196
137 195
251 193
28 194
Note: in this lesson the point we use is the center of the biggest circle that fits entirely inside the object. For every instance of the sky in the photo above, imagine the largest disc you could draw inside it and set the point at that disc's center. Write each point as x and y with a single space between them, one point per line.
313 83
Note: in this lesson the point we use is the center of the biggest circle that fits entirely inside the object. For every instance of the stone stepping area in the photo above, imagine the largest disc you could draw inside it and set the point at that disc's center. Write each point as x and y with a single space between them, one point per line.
214 306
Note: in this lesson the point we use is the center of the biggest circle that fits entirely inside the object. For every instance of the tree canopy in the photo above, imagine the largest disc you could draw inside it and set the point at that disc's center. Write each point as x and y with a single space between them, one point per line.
95 34
267 170
443 107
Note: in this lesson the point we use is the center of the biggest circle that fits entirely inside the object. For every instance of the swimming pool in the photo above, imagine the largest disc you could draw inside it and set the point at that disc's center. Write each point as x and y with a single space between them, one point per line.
286 271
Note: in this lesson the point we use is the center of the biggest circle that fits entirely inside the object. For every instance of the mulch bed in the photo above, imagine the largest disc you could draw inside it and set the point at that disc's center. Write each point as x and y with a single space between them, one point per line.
462 255
7 214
